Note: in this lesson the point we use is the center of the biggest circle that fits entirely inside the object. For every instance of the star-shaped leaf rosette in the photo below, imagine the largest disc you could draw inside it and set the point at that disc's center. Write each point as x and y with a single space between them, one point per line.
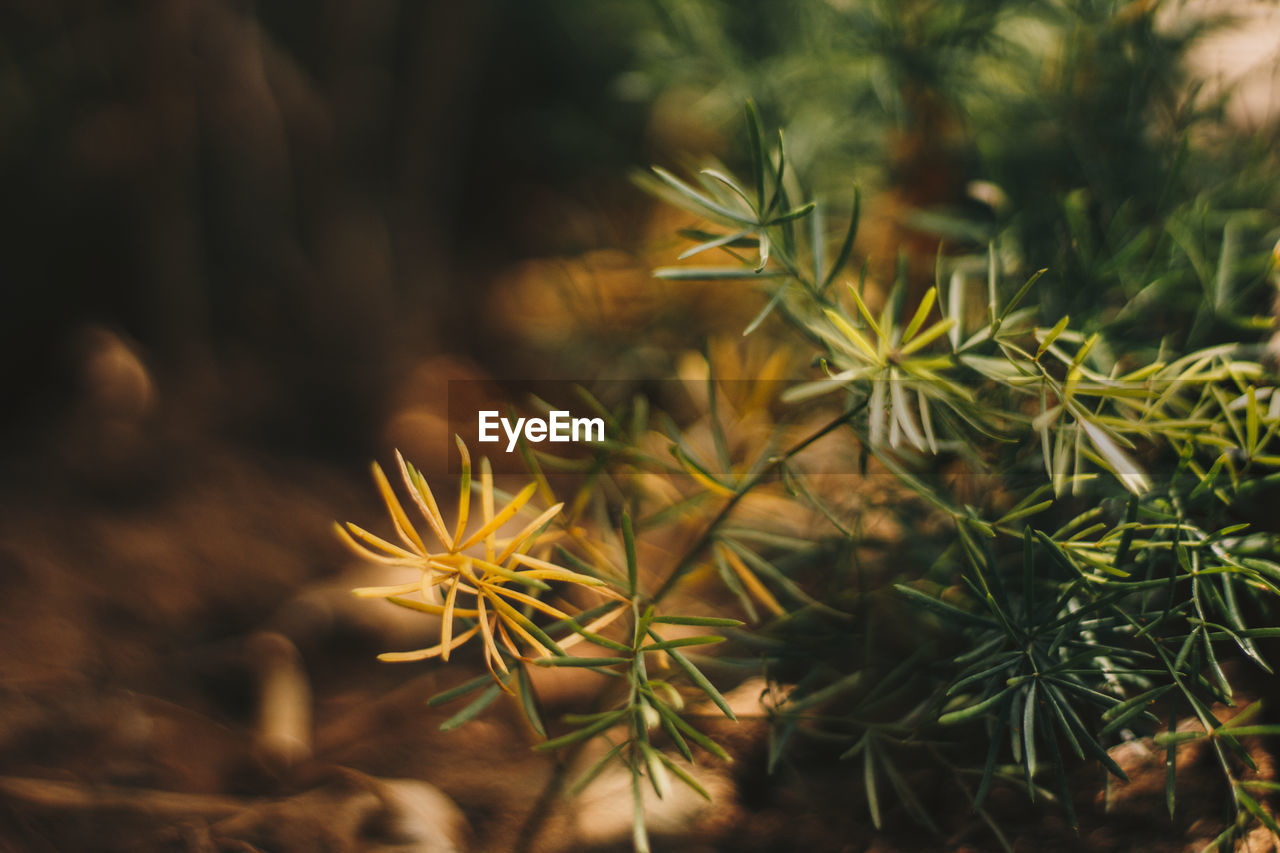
477 583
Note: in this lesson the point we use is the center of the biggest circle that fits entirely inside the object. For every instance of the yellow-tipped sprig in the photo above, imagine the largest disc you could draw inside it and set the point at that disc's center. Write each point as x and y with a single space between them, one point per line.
487 580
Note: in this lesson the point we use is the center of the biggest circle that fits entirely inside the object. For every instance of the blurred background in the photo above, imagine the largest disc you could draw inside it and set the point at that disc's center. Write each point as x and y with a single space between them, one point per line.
244 247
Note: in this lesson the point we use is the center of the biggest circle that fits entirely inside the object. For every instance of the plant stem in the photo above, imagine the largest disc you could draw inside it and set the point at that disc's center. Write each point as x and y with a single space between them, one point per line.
687 561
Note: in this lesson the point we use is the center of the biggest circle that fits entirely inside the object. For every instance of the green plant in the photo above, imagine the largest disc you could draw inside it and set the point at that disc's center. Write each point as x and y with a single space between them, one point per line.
1064 496
1070 623
1104 580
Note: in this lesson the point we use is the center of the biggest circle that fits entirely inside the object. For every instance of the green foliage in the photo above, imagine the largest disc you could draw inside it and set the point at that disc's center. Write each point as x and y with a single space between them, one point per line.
1100 591
1066 625
1067 429
1069 133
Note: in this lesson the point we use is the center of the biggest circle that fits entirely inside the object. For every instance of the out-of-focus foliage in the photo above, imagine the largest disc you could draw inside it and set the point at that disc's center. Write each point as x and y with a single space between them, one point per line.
1071 134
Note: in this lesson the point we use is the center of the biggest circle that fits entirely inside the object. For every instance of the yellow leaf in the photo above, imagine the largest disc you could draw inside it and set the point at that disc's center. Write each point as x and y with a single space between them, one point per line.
434 651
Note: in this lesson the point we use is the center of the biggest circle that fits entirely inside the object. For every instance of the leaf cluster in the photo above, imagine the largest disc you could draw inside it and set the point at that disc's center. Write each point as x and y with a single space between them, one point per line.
1070 628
